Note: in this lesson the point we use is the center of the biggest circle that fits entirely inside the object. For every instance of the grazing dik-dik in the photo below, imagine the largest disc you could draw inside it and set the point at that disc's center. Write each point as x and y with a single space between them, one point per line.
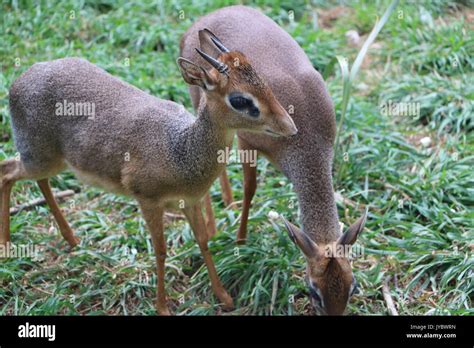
136 144
306 158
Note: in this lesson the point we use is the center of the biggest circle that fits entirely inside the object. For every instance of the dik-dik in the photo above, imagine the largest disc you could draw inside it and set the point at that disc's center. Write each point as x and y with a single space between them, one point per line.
306 159
135 144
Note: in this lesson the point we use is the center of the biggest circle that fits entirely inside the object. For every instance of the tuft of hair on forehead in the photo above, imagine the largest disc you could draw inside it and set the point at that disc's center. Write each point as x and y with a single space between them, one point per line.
234 59
240 69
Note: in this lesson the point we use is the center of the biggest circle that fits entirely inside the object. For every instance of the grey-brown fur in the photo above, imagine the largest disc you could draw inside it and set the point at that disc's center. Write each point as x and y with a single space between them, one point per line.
306 159
136 143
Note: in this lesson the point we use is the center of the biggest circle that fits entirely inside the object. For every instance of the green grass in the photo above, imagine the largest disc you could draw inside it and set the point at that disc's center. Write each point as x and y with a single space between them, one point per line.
420 226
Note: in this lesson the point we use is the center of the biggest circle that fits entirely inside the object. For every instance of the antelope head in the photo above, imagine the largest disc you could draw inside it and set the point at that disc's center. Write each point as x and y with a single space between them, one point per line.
328 269
234 89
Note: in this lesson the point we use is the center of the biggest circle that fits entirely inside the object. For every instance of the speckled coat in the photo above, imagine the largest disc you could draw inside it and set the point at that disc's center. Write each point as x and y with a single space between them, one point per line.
135 144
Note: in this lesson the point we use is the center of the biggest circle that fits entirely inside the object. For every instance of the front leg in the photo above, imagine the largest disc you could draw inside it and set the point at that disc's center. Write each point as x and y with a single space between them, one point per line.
210 218
153 215
196 220
226 188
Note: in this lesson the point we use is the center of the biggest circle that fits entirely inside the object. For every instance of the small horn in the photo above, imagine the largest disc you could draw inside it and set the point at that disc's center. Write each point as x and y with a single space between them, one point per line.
219 45
216 41
221 67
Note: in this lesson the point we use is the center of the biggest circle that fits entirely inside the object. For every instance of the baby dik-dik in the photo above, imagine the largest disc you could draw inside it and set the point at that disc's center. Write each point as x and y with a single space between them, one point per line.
136 144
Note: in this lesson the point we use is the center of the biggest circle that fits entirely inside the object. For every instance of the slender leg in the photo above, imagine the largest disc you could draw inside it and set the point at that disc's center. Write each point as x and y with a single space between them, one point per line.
210 219
64 227
226 189
196 220
3 240
154 219
11 170
5 209
250 185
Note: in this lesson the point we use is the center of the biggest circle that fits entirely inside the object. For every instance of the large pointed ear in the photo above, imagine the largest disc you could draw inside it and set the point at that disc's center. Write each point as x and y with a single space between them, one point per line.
210 43
309 248
350 236
193 74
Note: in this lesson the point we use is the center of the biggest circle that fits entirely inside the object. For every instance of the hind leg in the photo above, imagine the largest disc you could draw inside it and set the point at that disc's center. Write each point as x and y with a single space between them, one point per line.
13 170
64 227
5 209
10 171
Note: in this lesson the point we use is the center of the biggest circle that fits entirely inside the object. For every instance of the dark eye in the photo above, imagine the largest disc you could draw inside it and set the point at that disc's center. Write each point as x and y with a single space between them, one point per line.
253 111
240 102
243 104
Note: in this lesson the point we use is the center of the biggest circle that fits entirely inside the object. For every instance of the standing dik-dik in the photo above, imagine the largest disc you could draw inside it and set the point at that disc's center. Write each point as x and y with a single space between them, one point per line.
135 144
306 159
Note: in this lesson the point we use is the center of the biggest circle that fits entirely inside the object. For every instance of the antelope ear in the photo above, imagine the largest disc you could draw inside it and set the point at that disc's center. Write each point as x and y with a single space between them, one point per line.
309 248
193 74
350 236
206 44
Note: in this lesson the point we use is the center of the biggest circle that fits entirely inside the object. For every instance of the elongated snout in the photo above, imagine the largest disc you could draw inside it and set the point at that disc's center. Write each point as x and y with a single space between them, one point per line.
283 124
289 126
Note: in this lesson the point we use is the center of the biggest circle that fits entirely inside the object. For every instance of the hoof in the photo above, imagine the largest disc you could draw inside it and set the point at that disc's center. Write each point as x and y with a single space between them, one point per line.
227 302
163 311
74 242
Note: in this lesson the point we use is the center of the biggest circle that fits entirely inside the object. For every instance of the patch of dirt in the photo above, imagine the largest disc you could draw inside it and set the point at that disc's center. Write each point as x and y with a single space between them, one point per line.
467 13
414 139
326 18
436 141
